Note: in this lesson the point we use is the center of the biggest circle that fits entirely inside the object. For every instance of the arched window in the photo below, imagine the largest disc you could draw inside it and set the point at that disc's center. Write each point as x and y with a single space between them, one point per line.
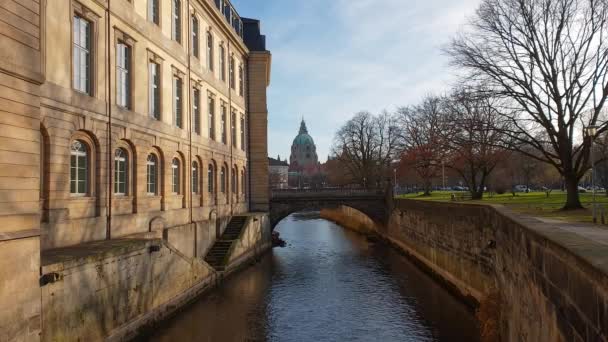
210 179
152 175
194 177
121 162
79 168
233 181
223 180
243 182
175 176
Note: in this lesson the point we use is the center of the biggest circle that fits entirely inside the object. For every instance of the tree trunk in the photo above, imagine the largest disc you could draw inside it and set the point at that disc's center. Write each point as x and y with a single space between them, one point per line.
572 197
427 188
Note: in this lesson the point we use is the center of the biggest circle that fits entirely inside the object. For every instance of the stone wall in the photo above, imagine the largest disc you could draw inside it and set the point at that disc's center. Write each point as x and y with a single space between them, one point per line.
21 73
112 289
552 283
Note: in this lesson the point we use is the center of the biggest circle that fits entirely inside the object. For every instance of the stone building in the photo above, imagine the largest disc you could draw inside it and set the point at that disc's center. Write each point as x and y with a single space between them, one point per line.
278 173
119 118
303 162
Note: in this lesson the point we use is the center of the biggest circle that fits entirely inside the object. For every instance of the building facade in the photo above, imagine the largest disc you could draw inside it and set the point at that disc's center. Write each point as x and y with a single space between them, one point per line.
121 117
278 173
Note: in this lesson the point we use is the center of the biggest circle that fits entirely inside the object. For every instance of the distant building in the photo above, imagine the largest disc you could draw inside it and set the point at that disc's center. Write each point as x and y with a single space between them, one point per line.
278 172
304 164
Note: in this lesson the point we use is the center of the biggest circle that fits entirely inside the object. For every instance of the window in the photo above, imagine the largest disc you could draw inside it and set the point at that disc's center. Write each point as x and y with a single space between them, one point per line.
209 51
175 176
210 179
152 174
120 172
154 80
222 62
232 73
82 55
79 168
223 123
196 114
243 182
234 180
195 45
211 117
153 11
176 14
242 132
194 177
241 81
233 127
123 75
223 180
177 102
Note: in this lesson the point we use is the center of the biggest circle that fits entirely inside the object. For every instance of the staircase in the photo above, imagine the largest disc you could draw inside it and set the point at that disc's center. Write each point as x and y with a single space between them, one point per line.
218 254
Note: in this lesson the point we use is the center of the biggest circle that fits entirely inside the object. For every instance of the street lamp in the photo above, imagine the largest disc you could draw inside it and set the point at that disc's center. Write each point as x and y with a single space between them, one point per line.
591 132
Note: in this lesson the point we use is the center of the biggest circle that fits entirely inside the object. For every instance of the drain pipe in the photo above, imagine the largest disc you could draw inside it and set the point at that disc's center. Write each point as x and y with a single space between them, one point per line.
189 103
109 111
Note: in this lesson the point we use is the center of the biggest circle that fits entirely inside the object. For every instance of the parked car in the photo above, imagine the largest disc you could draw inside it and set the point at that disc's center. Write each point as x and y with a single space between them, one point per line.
581 189
521 188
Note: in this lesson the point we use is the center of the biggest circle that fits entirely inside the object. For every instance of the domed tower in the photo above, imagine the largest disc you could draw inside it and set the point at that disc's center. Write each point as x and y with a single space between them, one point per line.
303 157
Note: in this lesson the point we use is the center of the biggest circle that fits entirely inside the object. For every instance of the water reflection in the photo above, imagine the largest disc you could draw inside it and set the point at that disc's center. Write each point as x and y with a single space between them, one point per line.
328 284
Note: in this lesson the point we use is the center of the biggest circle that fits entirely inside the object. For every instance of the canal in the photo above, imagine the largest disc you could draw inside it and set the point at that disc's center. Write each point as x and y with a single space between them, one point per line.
328 284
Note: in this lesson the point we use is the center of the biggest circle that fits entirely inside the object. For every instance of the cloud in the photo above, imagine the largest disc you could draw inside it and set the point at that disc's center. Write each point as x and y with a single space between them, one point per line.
332 59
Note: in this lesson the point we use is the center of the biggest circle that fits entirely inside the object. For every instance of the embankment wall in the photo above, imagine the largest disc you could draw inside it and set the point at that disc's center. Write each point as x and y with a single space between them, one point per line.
550 284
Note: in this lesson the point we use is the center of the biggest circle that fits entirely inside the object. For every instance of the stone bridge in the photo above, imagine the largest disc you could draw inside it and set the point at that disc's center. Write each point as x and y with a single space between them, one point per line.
375 203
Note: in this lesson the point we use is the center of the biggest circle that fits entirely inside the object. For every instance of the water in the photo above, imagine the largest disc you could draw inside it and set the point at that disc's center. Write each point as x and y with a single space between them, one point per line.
328 284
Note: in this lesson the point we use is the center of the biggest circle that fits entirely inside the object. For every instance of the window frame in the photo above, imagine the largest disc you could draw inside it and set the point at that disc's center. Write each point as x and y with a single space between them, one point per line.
233 137
75 155
156 177
92 18
196 110
195 35
125 172
231 73
223 179
211 118
223 126
222 62
241 80
156 60
150 15
211 188
178 99
195 177
176 21
210 51
175 176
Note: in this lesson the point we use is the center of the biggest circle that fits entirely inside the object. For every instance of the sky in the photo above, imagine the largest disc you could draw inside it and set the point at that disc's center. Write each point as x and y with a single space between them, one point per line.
334 58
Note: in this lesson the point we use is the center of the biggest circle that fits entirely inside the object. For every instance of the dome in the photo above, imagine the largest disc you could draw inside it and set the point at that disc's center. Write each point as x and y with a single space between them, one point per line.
303 140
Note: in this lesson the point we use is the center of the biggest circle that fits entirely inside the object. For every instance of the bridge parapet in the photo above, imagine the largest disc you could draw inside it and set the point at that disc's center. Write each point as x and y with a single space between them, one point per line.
327 192
376 203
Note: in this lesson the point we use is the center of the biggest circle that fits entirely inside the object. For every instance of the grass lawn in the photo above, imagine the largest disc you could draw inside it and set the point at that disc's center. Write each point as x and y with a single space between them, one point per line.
533 203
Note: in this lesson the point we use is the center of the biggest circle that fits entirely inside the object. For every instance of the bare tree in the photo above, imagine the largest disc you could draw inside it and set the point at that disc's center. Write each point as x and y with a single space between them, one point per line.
420 133
473 138
366 145
549 58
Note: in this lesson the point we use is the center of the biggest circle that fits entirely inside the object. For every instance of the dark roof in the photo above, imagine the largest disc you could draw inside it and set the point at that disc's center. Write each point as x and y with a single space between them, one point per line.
275 162
252 35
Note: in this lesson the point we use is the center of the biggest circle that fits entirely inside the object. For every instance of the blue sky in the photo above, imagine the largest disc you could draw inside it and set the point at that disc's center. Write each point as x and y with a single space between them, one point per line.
333 58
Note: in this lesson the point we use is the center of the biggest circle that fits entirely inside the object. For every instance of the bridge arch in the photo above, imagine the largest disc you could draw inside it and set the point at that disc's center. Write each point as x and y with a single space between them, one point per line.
375 204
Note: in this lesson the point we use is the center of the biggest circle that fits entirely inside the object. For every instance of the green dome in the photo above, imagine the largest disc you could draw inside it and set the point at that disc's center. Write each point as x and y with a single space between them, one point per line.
303 140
